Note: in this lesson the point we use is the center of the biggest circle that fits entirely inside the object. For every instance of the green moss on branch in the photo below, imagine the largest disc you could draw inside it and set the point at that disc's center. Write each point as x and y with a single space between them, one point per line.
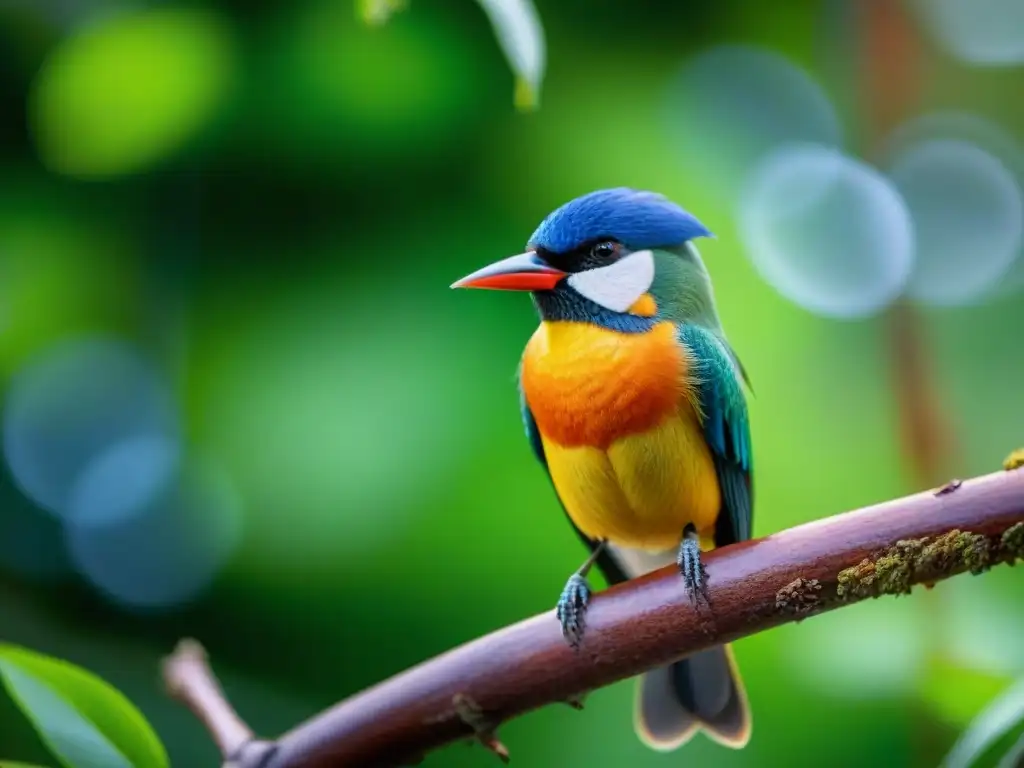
920 561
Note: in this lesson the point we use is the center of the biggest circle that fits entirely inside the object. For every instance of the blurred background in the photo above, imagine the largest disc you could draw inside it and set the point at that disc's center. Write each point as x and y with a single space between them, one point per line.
239 401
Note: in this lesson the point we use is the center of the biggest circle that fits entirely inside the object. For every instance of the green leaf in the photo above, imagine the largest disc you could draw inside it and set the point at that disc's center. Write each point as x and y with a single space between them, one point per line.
85 721
12 764
521 38
988 730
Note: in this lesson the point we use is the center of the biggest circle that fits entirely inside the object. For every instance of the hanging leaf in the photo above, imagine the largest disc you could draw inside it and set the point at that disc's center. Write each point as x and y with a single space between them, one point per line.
988 729
377 12
84 721
521 37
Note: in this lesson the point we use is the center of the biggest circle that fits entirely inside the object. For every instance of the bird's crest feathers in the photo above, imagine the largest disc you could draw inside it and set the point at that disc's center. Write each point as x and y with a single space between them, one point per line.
637 219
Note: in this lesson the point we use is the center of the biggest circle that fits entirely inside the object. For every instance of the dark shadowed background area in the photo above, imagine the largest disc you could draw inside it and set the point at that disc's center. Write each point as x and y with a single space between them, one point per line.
240 402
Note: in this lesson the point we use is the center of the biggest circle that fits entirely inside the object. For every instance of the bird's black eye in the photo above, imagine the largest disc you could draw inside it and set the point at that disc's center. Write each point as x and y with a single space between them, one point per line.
604 251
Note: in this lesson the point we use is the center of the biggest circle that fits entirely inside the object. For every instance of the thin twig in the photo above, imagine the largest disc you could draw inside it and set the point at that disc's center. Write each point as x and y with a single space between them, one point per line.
892 83
649 621
189 679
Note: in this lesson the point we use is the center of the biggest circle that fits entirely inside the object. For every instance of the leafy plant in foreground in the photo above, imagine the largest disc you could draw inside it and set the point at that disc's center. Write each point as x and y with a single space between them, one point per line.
83 720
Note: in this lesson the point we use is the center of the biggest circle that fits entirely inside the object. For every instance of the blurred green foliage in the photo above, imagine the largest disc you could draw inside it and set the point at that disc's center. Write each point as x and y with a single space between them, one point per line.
272 199
89 119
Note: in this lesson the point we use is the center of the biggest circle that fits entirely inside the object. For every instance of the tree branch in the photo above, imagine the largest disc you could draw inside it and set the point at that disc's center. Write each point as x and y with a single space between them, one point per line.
188 678
642 624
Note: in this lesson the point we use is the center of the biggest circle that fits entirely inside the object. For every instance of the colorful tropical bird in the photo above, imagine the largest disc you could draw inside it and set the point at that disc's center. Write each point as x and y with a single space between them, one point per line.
632 400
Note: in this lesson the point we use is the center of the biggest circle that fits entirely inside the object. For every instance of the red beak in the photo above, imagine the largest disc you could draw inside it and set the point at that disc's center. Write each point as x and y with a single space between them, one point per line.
525 272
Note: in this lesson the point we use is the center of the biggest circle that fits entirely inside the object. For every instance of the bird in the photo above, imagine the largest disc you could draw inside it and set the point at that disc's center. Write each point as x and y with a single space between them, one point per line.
633 401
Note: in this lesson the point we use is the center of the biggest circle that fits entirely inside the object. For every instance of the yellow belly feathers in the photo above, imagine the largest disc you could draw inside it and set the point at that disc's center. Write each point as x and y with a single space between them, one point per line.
621 438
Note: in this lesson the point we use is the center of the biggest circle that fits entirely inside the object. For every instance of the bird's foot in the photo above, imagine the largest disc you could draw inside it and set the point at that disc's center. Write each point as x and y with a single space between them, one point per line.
695 578
572 608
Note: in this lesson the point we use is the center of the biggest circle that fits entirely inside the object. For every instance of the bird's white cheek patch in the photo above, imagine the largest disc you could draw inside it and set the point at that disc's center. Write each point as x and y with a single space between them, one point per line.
618 285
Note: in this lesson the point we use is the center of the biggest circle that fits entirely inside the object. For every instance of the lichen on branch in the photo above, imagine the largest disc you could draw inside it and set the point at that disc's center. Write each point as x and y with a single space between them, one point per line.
919 561
1014 461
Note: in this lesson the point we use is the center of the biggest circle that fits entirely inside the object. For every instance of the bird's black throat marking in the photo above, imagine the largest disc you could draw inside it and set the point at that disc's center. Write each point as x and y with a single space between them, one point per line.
563 303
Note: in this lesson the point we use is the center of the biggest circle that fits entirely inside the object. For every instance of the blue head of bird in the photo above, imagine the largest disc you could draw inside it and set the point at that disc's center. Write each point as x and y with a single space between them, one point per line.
616 257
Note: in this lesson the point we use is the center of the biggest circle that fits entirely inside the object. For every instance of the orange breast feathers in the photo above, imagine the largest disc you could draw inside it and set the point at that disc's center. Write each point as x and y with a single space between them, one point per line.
589 386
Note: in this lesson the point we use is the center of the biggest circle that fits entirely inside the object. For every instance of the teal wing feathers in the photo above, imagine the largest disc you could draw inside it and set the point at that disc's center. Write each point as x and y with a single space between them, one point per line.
606 563
718 374
532 433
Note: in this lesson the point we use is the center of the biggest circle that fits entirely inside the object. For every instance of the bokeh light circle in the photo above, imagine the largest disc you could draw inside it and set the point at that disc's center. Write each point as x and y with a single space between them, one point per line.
980 32
123 479
827 231
982 133
130 88
733 104
968 215
958 126
70 404
159 542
